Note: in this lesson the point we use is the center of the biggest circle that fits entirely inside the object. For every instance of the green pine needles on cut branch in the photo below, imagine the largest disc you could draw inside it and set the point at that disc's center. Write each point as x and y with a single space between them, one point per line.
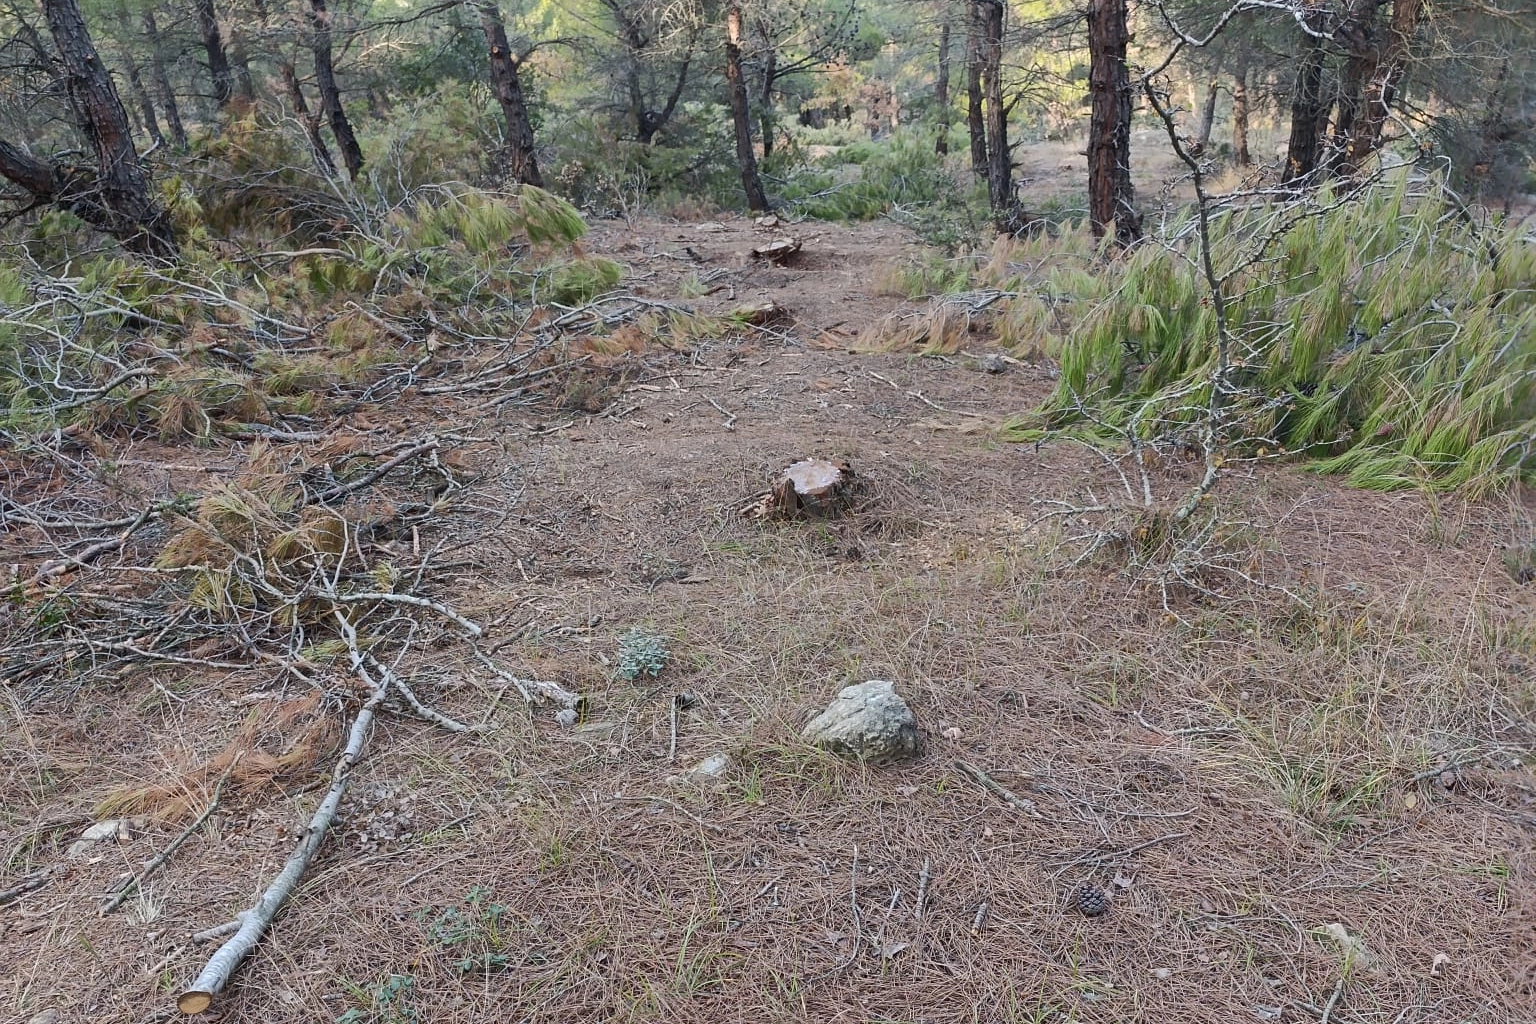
1372 336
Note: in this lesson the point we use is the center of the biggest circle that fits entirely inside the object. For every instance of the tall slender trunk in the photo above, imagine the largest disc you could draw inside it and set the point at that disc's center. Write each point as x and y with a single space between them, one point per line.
141 97
652 121
765 125
1240 118
522 162
118 198
999 153
974 120
213 45
330 94
1308 108
1356 31
310 121
245 85
741 116
1111 196
162 83
941 89
1207 118
135 77
1381 85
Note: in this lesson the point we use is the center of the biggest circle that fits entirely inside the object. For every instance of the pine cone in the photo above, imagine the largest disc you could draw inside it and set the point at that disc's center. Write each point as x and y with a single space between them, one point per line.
1090 900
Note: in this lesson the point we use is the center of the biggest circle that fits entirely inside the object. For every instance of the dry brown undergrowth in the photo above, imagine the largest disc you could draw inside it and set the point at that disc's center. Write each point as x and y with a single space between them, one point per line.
1247 776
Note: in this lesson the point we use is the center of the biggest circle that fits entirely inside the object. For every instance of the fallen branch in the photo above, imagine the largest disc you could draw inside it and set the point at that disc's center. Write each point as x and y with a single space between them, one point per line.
997 789
36 880
534 691
216 974
115 900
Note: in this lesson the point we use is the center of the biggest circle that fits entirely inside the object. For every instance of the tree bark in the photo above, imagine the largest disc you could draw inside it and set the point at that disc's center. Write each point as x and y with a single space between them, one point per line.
1308 109
141 98
213 45
741 116
974 120
1207 119
522 162
162 83
116 196
1381 85
941 90
999 153
765 95
245 86
1240 118
1111 196
330 94
310 121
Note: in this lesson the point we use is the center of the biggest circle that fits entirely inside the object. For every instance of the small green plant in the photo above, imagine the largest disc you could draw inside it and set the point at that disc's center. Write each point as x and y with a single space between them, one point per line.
387 1001
470 934
642 653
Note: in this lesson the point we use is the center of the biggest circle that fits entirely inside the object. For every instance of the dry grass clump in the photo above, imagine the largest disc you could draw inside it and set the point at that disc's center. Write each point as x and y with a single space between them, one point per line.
281 741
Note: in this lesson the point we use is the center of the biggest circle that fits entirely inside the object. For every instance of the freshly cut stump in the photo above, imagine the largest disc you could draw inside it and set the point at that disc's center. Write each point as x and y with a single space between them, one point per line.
809 489
780 250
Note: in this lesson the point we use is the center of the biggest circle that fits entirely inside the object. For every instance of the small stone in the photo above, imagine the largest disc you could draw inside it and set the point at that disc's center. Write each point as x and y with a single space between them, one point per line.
712 767
869 721
952 733
1162 973
49 1016
566 718
114 829
992 363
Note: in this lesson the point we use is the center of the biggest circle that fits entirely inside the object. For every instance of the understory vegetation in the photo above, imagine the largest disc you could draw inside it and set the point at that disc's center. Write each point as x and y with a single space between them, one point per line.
449 451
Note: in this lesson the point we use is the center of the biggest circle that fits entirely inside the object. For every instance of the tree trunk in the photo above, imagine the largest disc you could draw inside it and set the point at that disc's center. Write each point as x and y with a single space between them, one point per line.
765 96
1381 86
1207 119
310 121
941 90
1356 32
330 95
522 162
1308 109
1111 196
652 121
999 153
1240 118
141 98
741 116
116 196
245 86
974 121
162 83
213 44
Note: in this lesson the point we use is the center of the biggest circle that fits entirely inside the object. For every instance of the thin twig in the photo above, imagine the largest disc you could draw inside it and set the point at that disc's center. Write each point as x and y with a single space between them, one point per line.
924 878
997 789
159 861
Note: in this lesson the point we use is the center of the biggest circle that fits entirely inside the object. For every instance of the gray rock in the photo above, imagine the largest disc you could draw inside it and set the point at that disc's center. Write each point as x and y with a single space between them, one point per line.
111 830
869 721
566 718
712 767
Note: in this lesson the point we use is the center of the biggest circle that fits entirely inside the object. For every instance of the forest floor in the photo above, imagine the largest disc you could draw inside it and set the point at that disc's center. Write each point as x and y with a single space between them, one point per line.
1308 790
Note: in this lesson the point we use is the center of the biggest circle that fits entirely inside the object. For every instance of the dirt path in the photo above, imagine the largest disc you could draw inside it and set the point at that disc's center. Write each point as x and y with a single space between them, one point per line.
1250 777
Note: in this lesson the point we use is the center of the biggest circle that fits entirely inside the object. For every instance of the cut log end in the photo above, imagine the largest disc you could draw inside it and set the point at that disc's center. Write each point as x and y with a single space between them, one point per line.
809 489
194 1003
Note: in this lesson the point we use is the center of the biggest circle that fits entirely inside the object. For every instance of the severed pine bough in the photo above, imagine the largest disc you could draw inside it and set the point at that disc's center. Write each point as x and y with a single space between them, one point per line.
288 566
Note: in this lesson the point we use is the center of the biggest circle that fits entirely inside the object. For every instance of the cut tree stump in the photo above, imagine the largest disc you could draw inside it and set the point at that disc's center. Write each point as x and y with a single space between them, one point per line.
777 251
809 489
